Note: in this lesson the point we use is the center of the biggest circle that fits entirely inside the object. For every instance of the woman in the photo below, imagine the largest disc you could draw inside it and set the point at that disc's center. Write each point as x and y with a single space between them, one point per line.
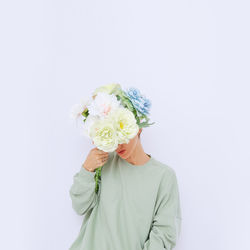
137 206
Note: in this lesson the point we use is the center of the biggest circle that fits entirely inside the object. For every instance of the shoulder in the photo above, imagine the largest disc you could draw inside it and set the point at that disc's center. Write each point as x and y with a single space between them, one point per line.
168 177
168 182
165 169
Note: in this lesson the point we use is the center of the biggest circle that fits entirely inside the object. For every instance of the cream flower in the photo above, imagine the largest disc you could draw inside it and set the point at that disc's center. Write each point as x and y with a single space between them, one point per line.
103 135
125 125
103 104
112 88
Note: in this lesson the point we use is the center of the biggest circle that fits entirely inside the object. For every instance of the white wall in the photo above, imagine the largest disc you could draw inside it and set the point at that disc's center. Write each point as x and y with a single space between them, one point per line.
191 58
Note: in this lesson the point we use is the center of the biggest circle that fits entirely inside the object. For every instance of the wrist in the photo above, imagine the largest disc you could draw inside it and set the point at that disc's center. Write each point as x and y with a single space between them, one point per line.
87 168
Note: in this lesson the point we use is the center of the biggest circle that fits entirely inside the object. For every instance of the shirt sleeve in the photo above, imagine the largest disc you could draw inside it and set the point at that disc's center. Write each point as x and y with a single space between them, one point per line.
82 192
166 225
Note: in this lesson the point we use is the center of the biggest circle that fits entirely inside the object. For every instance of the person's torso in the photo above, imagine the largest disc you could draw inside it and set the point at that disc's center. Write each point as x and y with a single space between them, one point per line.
123 215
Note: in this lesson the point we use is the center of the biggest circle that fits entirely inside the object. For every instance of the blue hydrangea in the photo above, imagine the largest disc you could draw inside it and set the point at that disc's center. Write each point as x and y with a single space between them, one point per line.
140 102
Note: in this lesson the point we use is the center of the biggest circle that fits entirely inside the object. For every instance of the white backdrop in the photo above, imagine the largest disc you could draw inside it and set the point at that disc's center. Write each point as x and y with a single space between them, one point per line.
191 58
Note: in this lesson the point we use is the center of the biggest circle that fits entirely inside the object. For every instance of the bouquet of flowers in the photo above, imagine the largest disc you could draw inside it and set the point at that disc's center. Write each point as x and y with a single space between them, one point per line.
112 116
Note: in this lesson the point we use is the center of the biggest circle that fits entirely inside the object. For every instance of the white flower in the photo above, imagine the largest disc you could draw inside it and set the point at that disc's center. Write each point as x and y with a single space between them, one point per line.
86 126
77 109
103 104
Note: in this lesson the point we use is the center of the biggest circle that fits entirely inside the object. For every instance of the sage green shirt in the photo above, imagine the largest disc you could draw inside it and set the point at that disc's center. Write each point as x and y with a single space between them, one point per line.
137 207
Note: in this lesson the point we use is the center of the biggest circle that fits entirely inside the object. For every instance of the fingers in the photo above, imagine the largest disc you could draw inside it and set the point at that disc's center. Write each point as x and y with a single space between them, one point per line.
100 152
102 160
103 157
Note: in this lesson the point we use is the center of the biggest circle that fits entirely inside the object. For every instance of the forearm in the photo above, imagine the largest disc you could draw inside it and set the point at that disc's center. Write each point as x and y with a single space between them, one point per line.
82 191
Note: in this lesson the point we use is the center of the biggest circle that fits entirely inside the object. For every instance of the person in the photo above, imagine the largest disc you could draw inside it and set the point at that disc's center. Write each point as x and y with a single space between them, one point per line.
137 206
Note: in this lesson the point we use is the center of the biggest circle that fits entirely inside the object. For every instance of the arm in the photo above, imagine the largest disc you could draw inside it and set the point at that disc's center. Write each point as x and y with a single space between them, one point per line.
166 223
82 191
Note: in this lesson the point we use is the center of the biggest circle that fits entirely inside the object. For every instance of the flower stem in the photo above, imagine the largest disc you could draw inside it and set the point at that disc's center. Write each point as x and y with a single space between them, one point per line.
97 178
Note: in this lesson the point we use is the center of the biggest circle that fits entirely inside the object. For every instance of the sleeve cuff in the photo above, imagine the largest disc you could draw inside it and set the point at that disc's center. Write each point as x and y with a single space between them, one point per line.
85 172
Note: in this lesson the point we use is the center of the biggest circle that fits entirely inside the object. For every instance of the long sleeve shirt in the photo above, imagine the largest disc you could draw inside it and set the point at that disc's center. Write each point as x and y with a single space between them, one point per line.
137 207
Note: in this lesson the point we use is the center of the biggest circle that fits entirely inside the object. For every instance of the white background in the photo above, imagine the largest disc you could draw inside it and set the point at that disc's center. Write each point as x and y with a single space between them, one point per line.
190 58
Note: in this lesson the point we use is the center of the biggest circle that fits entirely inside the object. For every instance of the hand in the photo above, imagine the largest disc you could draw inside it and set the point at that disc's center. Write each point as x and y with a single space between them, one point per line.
95 159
